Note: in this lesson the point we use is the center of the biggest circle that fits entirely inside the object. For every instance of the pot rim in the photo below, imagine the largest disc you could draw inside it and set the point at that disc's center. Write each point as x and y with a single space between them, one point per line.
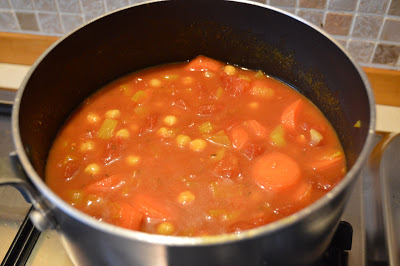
290 220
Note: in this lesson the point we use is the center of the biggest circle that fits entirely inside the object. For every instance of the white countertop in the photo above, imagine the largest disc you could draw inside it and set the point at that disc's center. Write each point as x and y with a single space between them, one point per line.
387 117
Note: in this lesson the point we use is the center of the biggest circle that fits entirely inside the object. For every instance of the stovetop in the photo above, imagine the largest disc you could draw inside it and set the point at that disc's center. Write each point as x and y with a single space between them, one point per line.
363 237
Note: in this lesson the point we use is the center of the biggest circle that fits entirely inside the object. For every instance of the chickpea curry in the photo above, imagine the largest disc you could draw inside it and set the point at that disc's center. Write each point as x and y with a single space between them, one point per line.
193 149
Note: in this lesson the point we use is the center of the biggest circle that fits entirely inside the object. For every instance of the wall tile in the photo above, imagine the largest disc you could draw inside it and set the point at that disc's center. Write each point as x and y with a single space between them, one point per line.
342 5
27 21
22 4
394 8
70 22
314 16
367 26
8 21
5 4
361 51
45 5
386 54
112 5
50 23
290 3
312 3
132 2
93 7
338 23
342 42
391 30
70 6
373 6
287 9
261 1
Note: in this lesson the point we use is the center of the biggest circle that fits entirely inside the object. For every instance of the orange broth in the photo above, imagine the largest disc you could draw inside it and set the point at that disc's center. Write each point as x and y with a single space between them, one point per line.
191 149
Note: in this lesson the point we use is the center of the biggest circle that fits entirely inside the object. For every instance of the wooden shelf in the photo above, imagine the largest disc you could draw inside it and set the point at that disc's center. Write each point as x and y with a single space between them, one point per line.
24 49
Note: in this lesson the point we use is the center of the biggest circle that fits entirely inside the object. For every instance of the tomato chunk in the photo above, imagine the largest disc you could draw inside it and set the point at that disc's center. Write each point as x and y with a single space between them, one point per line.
129 217
105 184
202 63
290 114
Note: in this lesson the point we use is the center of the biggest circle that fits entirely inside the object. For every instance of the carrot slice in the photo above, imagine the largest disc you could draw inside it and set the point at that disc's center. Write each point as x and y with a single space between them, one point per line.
327 164
239 137
151 207
257 128
276 171
289 115
105 184
203 63
129 217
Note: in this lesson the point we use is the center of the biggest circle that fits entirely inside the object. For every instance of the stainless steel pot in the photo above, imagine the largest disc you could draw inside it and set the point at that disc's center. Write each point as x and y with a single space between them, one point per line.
244 33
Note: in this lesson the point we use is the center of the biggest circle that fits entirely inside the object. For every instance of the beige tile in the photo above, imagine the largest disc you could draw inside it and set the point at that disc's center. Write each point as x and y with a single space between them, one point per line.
361 51
8 21
45 5
316 17
112 5
367 26
391 30
50 23
70 6
71 22
5 4
338 23
312 3
132 2
260 1
386 54
394 8
27 21
22 4
287 9
93 8
342 42
373 6
290 3
342 5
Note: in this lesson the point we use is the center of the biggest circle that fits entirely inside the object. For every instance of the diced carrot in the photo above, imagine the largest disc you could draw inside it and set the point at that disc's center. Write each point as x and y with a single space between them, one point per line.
151 207
327 163
276 171
239 137
203 63
289 115
105 184
257 128
129 217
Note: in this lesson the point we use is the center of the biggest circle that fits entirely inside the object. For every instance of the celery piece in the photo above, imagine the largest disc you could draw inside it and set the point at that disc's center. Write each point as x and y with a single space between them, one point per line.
277 136
219 155
218 138
260 74
219 93
139 96
106 130
206 128
263 92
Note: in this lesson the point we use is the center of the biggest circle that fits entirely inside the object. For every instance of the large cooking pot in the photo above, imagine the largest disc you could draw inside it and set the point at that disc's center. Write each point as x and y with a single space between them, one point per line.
249 34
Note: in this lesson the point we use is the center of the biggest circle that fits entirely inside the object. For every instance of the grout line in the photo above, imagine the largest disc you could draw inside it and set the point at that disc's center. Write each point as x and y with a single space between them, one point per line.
59 14
353 22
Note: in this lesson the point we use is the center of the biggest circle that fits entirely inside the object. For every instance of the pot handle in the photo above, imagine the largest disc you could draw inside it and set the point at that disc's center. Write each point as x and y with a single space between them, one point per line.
380 190
12 174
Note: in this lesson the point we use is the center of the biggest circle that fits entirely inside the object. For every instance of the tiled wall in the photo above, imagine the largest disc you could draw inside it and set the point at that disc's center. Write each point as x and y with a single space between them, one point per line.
369 29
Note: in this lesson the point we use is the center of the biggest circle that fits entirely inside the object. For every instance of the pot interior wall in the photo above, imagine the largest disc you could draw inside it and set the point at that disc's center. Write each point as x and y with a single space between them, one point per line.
173 31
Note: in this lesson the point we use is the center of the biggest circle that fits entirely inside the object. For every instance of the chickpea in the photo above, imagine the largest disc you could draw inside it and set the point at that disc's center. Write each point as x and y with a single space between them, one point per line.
230 70
123 133
92 169
165 132
113 113
132 159
166 228
170 120
198 144
92 118
182 140
155 82
187 80
186 197
87 146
